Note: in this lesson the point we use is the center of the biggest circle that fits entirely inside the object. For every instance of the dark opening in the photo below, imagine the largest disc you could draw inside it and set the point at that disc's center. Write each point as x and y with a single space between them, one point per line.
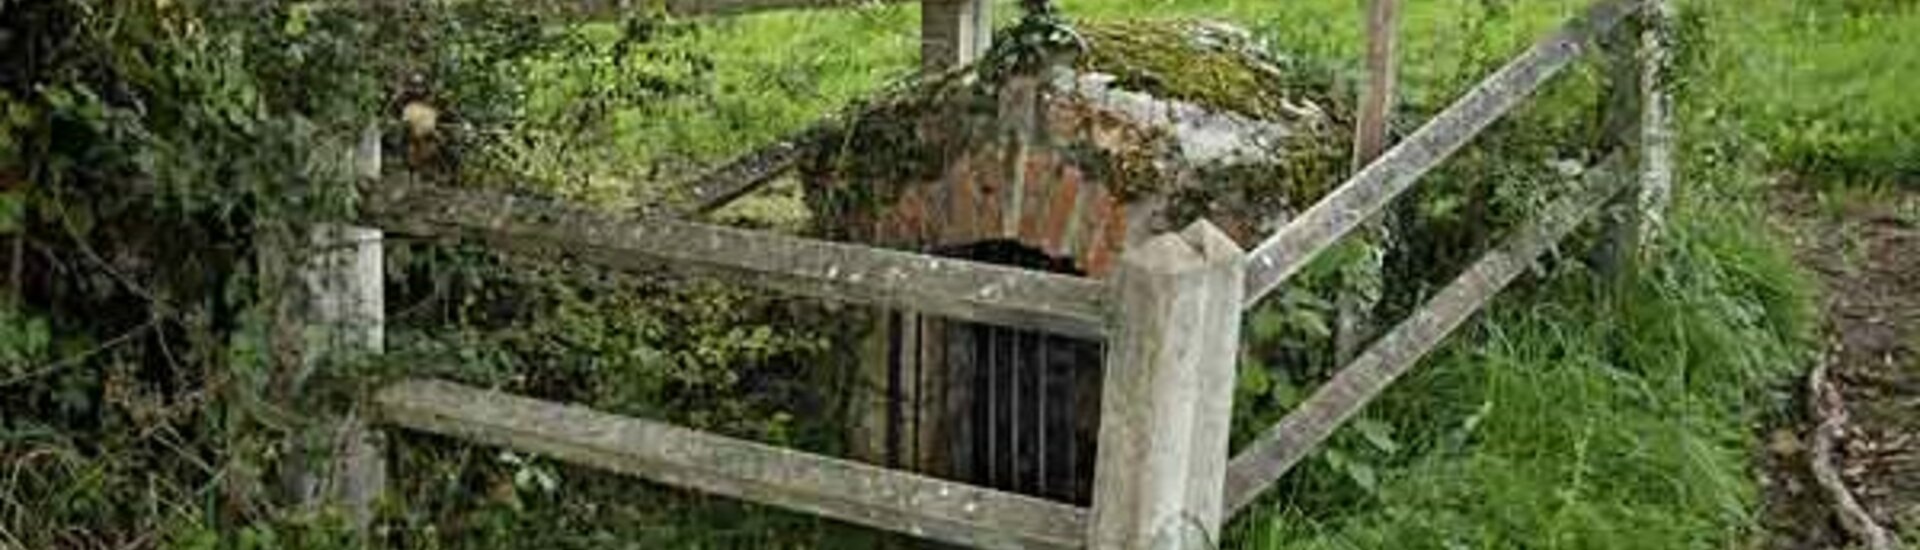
1020 408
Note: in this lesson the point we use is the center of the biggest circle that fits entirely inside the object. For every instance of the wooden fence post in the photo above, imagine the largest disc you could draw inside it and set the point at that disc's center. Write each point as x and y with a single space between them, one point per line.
1168 393
1656 116
1351 329
344 316
1637 122
953 33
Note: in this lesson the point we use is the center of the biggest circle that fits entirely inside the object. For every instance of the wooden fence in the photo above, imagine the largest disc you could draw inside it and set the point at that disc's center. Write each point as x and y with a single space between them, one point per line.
1170 316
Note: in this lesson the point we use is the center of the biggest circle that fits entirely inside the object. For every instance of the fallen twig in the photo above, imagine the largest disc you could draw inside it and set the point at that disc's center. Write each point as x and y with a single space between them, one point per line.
1829 413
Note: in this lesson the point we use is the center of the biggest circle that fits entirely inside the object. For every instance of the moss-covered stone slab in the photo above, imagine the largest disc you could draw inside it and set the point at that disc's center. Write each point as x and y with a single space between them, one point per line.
1152 125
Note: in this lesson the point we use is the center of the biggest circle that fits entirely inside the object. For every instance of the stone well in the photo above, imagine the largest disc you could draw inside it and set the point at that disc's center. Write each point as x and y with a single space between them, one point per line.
1057 165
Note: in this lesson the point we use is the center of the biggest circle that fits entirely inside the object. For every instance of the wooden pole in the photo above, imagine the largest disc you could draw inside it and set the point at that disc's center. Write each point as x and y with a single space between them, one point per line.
1637 122
953 33
1369 140
1168 393
1376 101
1656 122
344 317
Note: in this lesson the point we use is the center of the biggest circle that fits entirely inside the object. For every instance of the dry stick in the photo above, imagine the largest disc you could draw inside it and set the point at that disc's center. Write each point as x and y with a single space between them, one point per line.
1830 419
1277 450
1290 249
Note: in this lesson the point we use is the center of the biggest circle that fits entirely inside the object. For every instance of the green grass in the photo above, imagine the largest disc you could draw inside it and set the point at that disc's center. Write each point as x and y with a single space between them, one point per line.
1826 86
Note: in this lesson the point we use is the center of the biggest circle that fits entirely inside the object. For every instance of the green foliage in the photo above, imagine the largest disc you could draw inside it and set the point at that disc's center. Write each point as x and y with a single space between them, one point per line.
1826 88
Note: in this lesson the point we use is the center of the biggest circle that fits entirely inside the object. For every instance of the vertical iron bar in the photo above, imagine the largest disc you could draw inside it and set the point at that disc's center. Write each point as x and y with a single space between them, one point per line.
893 387
1045 445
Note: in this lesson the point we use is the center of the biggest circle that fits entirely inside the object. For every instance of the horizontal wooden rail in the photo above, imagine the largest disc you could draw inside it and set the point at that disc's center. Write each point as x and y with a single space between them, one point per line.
961 289
688 8
1292 247
839 489
1262 462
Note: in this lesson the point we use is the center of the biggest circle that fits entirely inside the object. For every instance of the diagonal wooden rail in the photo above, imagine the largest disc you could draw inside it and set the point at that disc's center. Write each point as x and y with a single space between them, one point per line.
1278 449
1293 247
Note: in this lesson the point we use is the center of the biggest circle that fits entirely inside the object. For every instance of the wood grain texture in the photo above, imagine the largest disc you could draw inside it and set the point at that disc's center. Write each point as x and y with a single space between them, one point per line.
1168 393
839 489
1297 244
1279 448
961 289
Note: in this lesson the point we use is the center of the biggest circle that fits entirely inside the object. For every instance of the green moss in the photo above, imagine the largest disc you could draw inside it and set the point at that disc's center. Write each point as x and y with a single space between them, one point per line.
1202 63
914 135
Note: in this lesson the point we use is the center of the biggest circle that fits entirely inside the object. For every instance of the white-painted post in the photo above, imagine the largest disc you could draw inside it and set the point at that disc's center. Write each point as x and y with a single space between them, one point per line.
1168 394
953 33
345 318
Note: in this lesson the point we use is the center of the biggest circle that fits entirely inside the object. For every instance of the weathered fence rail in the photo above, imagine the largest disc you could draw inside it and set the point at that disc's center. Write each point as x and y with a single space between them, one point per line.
841 489
1170 316
1296 245
1279 448
961 289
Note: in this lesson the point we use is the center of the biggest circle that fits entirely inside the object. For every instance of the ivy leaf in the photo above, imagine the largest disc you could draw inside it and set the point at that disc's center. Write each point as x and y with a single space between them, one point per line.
1254 379
1267 323
1363 475
13 212
1377 433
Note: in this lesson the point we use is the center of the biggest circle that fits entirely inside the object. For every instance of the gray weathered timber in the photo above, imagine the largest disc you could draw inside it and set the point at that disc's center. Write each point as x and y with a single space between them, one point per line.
953 33
1168 394
838 489
1219 341
966 290
1636 123
1291 248
1655 182
1376 100
344 317
687 8
1351 326
744 174
1262 462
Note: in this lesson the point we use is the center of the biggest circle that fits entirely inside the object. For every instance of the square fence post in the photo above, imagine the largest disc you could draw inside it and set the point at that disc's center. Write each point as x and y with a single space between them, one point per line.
1168 395
344 317
953 33
1638 123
